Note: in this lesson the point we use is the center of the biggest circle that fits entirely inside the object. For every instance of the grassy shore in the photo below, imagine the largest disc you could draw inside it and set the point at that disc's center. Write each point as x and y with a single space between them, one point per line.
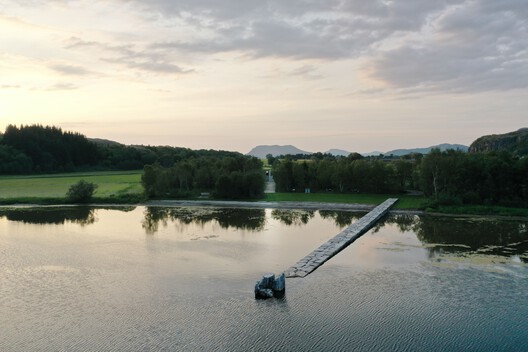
480 210
405 202
125 187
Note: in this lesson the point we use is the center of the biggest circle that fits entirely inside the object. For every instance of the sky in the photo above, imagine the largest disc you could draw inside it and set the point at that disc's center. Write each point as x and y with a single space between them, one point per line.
207 74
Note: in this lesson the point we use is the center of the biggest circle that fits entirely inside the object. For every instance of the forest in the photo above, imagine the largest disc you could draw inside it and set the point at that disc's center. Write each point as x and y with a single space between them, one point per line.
168 171
447 178
231 177
37 149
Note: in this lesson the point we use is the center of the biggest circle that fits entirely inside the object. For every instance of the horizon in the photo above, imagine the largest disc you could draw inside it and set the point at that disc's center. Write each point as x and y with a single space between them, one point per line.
348 75
262 145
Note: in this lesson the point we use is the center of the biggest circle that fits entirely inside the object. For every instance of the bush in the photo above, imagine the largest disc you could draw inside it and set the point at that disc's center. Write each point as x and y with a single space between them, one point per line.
81 192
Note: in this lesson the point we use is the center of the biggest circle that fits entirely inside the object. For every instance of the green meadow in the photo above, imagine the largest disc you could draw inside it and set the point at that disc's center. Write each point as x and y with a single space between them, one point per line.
112 185
125 187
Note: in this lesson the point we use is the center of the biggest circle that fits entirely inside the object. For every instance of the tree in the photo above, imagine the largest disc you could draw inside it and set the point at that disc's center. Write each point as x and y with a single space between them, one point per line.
271 159
403 174
81 192
13 161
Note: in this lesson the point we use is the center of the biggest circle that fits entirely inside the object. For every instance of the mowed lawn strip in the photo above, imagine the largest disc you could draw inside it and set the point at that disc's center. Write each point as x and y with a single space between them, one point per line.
404 202
56 186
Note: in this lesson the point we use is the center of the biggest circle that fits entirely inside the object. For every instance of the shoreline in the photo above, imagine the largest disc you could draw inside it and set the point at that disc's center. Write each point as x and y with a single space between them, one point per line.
352 207
294 205
208 203
224 204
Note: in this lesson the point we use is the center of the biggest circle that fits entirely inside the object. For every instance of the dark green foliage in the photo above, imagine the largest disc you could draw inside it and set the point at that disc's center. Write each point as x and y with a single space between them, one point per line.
49 148
449 178
38 149
245 219
454 177
240 185
13 161
81 192
345 175
224 175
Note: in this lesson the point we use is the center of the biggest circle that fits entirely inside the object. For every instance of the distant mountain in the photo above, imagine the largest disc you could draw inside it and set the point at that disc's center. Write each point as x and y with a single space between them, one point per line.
513 142
442 147
337 152
262 150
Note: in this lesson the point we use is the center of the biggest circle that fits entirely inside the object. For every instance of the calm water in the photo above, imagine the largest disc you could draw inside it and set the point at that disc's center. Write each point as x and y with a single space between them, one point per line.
181 279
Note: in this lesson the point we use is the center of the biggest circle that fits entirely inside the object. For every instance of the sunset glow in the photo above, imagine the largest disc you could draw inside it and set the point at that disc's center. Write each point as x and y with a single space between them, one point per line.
354 75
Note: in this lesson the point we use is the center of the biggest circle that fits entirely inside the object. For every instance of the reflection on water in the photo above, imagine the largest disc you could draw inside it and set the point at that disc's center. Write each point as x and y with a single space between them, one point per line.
293 217
82 215
246 219
479 236
79 215
443 235
110 287
404 222
341 218
440 235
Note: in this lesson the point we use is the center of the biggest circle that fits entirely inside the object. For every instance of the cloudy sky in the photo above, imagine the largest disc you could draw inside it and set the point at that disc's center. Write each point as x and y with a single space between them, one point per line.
351 74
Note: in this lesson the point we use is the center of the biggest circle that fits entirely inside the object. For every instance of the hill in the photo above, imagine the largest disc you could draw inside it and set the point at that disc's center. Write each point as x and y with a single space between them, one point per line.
36 149
442 147
262 150
337 152
513 142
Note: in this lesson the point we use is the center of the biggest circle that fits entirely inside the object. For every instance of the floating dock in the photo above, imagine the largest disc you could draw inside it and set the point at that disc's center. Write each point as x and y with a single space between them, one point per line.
333 246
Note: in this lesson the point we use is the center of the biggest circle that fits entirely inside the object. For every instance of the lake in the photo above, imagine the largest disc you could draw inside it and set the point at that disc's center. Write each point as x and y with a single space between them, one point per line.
182 279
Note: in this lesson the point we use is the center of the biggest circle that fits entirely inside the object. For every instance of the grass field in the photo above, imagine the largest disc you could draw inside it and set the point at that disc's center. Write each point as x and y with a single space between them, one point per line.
120 185
125 187
110 184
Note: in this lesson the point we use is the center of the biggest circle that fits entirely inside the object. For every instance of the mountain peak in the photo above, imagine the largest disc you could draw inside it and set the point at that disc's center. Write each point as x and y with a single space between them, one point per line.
262 150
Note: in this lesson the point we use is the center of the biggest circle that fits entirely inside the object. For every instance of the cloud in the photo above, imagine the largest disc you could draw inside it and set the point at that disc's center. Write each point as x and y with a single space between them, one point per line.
329 30
306 71
434 45
59 86
9 86
70 69
154 61
475 47
151 65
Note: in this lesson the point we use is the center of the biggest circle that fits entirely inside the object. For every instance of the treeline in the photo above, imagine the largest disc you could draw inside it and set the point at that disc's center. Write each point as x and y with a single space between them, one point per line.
36 149
449 178
235 177
345 174
168 171
496 178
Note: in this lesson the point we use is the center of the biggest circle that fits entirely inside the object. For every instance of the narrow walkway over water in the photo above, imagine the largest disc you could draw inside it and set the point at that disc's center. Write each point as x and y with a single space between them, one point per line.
333 246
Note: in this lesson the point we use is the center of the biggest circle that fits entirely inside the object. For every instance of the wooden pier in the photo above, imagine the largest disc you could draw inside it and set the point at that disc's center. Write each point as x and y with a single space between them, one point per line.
333 246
